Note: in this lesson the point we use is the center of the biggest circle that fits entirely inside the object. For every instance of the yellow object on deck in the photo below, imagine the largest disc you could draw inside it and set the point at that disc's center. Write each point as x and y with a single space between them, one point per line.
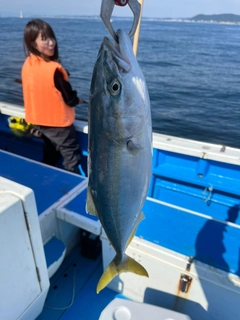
20 127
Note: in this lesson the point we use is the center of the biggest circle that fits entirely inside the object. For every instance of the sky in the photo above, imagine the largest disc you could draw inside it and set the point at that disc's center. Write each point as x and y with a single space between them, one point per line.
151 8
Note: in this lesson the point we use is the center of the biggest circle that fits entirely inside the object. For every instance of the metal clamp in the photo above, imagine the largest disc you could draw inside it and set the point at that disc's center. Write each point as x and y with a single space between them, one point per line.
207 194
107 7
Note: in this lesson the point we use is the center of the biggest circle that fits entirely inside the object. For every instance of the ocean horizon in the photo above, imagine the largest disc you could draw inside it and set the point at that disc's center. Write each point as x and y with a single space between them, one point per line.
122 18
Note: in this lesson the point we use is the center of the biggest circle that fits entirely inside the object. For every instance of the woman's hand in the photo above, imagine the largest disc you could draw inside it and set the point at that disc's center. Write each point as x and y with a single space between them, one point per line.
81 101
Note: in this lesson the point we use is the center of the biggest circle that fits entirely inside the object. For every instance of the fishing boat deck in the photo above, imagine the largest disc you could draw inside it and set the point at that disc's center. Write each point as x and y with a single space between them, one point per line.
192 197
72 294
73 286
66 193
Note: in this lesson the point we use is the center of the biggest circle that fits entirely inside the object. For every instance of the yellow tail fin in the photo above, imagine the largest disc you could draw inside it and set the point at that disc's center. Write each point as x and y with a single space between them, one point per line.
116 267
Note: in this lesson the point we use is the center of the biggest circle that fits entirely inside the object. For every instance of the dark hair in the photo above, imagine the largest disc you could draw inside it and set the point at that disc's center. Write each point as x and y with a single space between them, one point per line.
31 32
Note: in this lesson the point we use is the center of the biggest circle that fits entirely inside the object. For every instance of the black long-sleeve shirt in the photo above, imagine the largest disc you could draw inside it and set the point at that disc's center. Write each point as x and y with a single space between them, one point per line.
69 95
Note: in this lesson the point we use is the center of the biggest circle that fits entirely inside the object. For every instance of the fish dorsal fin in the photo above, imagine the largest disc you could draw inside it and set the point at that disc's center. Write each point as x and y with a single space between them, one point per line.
90 206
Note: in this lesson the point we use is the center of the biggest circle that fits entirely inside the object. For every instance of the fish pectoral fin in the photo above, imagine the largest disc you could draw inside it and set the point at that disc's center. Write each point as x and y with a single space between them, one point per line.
90 206
133 147
142 217
126 265
135 229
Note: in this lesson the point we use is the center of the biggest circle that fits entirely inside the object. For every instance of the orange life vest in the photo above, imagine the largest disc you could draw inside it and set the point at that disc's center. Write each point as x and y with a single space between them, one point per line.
44 104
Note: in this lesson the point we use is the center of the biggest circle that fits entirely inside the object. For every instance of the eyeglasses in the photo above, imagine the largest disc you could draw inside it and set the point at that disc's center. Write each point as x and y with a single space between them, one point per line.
49 41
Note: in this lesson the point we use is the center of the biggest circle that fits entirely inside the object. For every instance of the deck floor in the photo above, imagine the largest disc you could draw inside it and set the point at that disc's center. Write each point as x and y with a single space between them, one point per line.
79 275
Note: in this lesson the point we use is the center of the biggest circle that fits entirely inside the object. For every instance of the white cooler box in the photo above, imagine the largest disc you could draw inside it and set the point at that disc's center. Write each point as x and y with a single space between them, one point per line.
120 309
23 272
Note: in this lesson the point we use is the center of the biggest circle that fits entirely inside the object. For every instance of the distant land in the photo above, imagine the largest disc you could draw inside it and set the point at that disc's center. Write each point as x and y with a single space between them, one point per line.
225 18
228 17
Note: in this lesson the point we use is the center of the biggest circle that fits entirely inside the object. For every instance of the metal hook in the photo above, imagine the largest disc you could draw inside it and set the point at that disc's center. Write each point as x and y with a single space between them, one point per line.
107 7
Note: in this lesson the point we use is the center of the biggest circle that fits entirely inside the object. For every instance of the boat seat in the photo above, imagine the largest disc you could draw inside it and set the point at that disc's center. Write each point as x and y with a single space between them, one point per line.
73 211
55 251
50 185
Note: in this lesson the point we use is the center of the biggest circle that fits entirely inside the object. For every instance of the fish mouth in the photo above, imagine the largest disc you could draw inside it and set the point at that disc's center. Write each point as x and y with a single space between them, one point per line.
119 51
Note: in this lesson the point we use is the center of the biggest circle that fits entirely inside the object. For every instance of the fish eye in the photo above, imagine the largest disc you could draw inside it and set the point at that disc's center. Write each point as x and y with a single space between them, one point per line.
115 87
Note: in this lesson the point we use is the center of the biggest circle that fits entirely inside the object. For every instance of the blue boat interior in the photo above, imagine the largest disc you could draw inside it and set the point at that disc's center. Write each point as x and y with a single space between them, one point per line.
76 279
199 197
31 147
49 185
73 287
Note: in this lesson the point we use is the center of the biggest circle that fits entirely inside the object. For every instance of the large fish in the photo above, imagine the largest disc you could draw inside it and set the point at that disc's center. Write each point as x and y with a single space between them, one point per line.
120 155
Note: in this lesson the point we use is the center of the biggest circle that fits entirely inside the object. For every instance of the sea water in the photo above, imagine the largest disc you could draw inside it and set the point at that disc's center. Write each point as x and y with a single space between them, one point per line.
191 69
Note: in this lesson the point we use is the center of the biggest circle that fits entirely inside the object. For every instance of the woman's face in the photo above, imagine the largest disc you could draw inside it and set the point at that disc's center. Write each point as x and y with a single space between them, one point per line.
45 46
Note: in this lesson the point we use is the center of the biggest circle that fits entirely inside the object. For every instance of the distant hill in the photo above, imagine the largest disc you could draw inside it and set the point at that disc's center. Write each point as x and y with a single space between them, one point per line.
217 17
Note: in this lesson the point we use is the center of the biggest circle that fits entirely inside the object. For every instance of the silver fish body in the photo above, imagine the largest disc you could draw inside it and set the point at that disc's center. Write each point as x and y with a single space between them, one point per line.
120 149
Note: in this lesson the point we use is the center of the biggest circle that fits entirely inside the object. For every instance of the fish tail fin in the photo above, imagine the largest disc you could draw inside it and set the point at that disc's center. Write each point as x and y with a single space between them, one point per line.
127 264
110 273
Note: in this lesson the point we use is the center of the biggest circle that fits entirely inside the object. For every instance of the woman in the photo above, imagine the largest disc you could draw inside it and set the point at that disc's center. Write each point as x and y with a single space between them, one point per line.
48 96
